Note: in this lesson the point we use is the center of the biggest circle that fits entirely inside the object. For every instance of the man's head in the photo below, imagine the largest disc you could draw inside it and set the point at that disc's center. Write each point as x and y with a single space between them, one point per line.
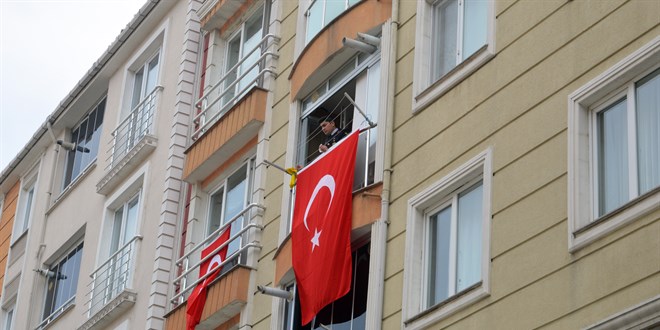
327 125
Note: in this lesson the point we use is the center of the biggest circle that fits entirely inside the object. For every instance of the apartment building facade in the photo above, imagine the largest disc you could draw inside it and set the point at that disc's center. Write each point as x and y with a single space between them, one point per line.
507 179
507 175
93 197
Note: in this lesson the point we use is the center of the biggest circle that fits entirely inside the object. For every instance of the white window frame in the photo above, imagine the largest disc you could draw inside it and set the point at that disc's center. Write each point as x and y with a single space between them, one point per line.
642 316
584 226
9 316
84 169
307 4
24 216
425 90
70 302
416 315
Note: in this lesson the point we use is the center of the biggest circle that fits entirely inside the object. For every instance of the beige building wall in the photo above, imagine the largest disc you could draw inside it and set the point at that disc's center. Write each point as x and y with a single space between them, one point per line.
516 104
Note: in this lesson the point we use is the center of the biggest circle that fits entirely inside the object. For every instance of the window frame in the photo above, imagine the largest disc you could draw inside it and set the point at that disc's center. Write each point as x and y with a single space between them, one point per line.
9 316
25 215
84 169
425 89
144 67
56 311
584 225
308 4
416 312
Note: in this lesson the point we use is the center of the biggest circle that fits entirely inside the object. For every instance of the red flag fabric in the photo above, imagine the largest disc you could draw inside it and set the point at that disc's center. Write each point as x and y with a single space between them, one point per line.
197 297
321 233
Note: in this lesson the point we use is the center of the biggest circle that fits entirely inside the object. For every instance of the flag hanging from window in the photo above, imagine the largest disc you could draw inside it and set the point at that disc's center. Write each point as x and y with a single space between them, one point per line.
321 233
197 298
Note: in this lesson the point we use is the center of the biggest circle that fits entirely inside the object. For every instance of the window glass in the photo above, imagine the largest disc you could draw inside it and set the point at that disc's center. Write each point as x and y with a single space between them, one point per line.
28 208
454 257
612 157
474 26
440 233
137 88
444 27
314 20
253 33
86 136
215 217
349 311
236 202
648 131
332 9
468 252
459 30
233 55
62 280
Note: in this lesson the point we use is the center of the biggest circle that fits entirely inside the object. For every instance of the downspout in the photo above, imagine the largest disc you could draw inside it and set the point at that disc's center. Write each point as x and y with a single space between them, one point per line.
379 228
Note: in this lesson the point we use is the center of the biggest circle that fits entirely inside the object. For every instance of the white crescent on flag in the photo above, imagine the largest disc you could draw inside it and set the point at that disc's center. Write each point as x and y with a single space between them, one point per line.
326 181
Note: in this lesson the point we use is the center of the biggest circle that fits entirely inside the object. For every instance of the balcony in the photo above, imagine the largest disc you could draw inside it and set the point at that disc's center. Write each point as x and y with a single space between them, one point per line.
110 291
228 293
231 112
132 141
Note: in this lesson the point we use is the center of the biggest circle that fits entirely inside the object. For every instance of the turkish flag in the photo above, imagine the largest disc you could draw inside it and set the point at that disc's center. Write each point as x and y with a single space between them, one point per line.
197 298
321 233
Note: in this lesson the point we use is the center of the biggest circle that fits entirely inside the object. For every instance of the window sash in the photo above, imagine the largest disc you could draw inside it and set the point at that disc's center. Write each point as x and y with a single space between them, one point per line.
453 262
460 28
61 287
625 160
229 200
124 226
321 12
86 136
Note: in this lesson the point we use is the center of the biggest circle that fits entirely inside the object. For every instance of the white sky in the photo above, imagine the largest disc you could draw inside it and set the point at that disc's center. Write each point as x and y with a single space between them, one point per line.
46 46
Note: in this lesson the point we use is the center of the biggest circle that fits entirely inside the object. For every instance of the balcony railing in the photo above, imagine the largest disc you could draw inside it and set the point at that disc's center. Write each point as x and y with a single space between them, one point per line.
236 82
112 277
237 244
133 128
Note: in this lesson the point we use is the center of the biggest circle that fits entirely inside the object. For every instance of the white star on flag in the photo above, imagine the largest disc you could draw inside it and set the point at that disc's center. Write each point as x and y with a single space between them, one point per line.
315 239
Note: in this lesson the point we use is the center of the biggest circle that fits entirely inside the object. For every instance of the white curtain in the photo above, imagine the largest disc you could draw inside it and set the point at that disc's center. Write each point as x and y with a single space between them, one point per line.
612 157
468 259
648 132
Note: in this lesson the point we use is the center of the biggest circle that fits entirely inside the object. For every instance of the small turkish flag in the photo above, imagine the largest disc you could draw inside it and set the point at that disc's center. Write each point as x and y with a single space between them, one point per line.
197 298
321 234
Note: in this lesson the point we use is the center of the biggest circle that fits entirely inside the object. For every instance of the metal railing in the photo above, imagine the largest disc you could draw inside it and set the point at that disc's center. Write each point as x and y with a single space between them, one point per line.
50 318
112 277
134 127
224 93
181 285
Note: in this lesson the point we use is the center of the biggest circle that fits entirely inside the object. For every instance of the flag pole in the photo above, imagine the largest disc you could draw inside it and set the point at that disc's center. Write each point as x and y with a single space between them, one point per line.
292 171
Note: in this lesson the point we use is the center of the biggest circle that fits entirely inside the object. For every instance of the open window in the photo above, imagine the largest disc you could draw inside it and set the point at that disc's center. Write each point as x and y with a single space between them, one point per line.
348 312
354 87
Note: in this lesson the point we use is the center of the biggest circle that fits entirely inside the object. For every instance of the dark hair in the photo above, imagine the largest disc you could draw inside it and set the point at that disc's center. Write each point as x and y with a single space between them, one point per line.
325 115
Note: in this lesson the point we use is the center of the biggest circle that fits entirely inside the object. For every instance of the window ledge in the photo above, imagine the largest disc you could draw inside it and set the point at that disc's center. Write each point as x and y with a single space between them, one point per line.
614 220
67 190
442 310
424 96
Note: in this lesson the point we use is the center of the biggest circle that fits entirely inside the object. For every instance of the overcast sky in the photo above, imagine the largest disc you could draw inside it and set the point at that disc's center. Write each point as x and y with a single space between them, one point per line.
46 46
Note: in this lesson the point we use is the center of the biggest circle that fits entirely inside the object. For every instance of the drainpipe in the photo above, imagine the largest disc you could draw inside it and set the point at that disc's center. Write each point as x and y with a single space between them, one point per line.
379 228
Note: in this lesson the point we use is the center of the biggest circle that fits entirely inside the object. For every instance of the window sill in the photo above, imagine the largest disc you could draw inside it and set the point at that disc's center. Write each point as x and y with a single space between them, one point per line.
72 185
614 220
424 96
442 310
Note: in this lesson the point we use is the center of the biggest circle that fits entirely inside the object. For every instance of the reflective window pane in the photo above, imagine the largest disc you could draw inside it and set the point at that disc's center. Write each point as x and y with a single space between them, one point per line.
445 21
314 20
475 27
648 132
439 256
612 151
468 251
